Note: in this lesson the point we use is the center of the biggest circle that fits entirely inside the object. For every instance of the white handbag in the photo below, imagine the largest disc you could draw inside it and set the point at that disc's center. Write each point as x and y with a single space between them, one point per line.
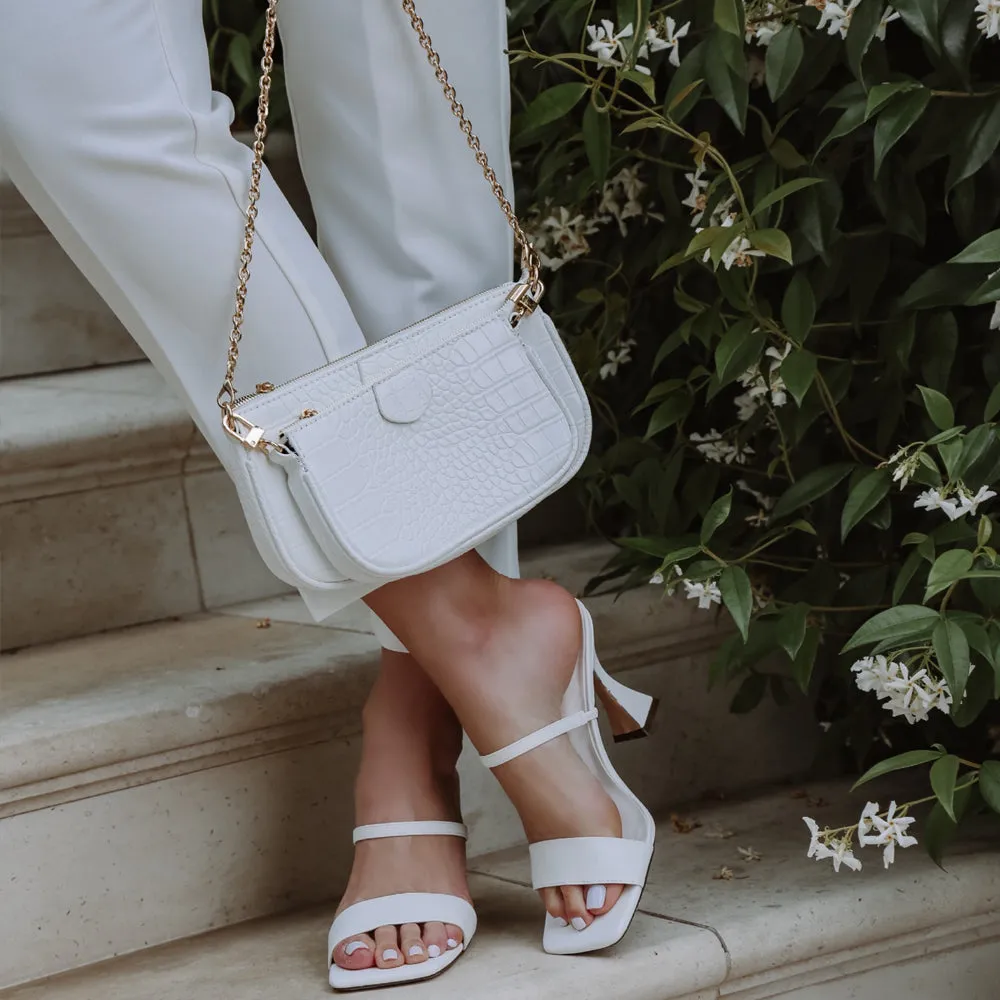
407 453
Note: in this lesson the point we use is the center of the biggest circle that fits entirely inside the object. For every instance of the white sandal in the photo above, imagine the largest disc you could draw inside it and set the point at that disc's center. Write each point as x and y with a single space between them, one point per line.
589 861
401 908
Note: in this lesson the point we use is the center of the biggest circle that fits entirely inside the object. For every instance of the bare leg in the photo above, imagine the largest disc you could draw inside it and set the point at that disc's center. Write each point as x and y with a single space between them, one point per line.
502 653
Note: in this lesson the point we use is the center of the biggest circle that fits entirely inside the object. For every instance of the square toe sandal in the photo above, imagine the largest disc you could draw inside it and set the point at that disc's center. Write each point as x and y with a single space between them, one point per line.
400 908
589 861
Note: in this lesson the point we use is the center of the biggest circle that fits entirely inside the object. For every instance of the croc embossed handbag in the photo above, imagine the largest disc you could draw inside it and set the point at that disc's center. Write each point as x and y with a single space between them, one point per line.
407 453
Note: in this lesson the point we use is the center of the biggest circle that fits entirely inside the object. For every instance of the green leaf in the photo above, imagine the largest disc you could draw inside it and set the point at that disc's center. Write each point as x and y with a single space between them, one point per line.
852 118
864 23
893 123
798 307
780 193
811 487
989 783
866 495
906 573
731 89
597 142
241 59
992 404
716 516
939 830
773 242
802 665
944 285
951 649
944 774
672 410
791 629
551 105
974 145
987 292
786 155
784 56
899 624
683 94
737 595
739 349
938 407
923 17
749 695
948 567
912 758
798 371
880 95
985 250
729 15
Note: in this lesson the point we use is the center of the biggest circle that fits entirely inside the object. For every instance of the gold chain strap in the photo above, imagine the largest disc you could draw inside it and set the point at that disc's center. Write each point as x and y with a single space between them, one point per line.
525 296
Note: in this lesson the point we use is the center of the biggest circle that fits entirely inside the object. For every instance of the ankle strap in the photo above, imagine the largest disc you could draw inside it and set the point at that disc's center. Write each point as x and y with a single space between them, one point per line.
424 828
538 738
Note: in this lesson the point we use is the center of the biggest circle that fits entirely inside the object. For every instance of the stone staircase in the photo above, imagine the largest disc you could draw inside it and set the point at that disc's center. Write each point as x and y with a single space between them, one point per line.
176 741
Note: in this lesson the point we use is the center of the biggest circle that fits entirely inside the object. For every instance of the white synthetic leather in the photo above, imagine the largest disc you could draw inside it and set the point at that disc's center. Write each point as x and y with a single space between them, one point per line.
414 828
582 860
401 908
538 738
484 420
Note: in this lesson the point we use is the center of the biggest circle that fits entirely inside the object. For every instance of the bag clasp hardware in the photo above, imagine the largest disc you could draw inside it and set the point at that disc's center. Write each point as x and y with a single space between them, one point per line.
248 434
526 298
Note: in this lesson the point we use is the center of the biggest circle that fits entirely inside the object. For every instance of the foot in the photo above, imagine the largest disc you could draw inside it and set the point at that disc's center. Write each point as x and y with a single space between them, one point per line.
513 685
410 748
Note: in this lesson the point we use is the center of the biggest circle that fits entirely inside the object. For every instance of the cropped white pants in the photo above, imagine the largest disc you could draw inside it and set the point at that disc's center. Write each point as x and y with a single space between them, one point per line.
110 129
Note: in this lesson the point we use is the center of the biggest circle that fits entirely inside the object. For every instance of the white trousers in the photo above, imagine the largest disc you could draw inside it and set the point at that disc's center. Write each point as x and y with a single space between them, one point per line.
111 131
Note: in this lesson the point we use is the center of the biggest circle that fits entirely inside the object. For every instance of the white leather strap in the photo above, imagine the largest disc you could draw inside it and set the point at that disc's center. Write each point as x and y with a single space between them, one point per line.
589 861
538 738
402 908
423 828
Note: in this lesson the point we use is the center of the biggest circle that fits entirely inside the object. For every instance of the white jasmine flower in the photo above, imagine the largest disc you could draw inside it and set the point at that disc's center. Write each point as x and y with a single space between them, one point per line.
970 504
935 500
606 44
672 38
989 21
872 673
766 502
706 594
764 27
903 466
836 17
653 41
625 184
888 831
995 320
621 356
656 579
739 254
889 15
566 235
716 449
840 853
697 200
816 840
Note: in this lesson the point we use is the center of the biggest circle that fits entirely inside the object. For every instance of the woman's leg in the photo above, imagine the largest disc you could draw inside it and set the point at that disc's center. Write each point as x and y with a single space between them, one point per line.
502 652
409 226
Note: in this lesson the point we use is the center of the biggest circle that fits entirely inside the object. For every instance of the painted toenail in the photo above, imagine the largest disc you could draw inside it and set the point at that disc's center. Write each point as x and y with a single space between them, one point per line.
452 943
597 896
561 921
579 923
354 946
415 950
390 955
433 950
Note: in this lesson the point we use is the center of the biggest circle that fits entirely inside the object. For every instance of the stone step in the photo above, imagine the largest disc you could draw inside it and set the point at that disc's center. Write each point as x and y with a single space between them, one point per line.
114 512
52 318
166 779
782 927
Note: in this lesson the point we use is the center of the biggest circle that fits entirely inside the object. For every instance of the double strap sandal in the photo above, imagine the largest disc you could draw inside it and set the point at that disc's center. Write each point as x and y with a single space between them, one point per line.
587 861
401 908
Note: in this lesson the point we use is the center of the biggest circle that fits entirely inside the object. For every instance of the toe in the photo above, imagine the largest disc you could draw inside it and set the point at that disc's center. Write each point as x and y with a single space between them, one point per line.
575 907
454 935
601 898
355 953
435 939
412 944
553 901
387 953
